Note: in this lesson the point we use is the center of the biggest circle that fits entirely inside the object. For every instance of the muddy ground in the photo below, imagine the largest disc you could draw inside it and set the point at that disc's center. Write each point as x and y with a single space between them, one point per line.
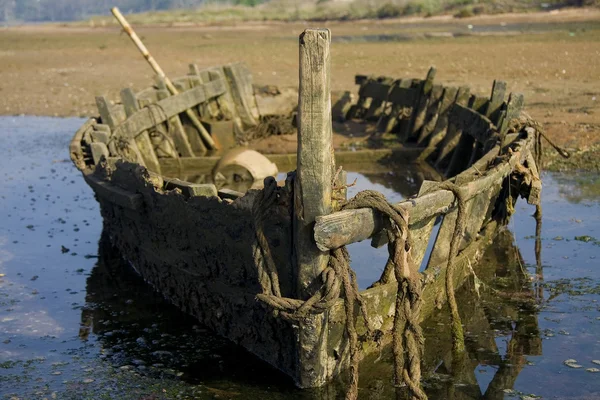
553 58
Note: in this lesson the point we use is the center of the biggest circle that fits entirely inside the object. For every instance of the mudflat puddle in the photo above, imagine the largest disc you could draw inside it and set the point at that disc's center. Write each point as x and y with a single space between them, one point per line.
77 323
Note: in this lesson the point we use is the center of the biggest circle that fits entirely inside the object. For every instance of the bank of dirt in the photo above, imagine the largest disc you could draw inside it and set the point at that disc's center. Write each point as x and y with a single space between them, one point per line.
552 58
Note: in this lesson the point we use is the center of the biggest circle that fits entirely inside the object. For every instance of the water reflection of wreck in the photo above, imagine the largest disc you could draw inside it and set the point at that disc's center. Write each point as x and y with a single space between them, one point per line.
498 303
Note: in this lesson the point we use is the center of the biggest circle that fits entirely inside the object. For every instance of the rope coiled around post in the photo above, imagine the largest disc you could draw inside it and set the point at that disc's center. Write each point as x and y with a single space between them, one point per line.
408 338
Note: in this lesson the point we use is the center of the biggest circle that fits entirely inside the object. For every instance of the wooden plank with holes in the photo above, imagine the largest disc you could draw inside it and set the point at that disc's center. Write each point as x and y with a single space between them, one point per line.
131 106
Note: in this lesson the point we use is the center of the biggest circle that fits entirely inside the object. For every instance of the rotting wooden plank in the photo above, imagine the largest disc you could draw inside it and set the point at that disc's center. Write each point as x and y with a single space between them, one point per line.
471 122
496 101
377 104
420 231
420 109
114 194
75 150
210 108
114 120
514 105
242 92
191 132
360 79
339 111
313 189
98 151
103 128
100 136
161 142
131 105
107 117
192 189
177 132
432 113
453 133
349 226
225 101
475 129
168 107
441 126
230 194
390 122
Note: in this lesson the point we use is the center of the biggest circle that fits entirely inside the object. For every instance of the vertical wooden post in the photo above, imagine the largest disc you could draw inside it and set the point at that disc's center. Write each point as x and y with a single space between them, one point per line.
313 194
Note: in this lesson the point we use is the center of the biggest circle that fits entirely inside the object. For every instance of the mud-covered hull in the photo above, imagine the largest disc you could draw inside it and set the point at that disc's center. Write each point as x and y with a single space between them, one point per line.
198 242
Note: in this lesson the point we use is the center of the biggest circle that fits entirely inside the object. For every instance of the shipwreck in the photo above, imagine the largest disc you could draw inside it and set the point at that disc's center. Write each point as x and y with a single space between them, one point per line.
252 243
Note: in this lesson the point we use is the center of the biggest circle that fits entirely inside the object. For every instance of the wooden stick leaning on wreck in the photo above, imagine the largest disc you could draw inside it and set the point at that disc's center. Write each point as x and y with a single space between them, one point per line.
142 48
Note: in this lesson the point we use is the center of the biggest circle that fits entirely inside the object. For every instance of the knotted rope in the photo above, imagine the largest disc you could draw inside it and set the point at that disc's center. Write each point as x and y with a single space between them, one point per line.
458 339
407 335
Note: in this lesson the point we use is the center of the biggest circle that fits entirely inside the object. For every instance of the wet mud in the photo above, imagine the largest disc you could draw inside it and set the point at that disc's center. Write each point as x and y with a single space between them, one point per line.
77 322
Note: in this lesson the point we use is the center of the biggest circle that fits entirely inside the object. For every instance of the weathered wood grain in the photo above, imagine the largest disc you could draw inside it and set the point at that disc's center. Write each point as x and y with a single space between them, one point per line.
240 84
313 189
131 105
432 113
419 112
453 132
168 107
441 126
176 131
349 226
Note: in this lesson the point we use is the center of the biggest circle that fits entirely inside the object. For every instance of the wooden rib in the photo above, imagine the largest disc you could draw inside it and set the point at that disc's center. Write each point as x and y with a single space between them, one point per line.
350 226
242 92
131 104
168 107
397 106
431 114
441 126
176 131
115 120
419 112
453 133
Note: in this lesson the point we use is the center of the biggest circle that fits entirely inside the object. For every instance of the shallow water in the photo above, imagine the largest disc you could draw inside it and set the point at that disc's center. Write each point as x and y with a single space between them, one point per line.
76 326
413 31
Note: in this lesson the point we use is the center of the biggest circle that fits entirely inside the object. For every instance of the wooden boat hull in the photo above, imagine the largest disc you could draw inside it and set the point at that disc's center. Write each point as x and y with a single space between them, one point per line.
198 245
